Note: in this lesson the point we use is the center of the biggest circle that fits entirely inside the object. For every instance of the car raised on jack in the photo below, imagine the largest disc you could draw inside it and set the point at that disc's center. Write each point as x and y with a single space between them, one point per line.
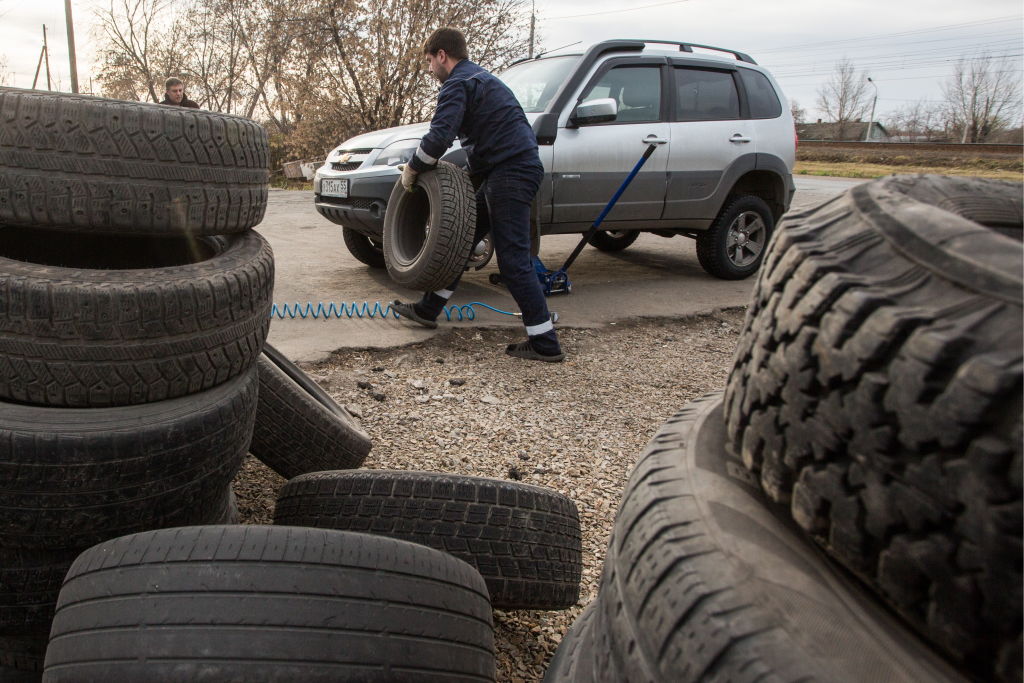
722 173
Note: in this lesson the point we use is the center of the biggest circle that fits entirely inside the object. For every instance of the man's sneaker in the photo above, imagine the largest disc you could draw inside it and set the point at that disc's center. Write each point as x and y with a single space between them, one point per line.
408 311
525 350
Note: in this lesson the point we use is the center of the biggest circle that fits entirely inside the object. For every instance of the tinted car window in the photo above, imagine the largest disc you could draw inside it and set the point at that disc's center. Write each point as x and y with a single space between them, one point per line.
764 103
705 95
636 90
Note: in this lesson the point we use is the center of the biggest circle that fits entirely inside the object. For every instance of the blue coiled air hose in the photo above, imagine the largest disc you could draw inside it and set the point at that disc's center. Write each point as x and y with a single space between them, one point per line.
331 309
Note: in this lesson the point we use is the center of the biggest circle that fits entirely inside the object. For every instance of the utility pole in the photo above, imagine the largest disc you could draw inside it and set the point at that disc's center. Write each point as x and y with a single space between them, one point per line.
46 53
71 46
871 119
533 22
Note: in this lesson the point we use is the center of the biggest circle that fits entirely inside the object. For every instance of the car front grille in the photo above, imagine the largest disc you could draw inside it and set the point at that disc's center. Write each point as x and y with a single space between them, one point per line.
347 166
363 204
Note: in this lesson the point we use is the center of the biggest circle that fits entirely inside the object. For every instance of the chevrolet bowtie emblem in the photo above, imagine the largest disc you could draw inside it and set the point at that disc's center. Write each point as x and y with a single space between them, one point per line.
344 158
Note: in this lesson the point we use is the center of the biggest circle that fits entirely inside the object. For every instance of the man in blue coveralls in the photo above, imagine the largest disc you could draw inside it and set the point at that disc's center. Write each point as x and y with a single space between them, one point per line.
506 172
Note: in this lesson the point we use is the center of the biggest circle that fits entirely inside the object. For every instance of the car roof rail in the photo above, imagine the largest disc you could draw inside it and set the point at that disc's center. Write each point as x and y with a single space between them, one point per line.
688 47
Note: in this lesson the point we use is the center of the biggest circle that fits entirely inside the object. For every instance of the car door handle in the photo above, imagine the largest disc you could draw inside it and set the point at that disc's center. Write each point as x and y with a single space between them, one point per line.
653 139
739 137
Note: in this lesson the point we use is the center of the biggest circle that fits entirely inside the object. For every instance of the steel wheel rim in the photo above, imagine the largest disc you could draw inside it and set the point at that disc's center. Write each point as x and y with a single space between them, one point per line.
746 239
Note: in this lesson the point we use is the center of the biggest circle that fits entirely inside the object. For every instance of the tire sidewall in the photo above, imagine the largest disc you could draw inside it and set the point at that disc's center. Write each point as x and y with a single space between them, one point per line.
712 245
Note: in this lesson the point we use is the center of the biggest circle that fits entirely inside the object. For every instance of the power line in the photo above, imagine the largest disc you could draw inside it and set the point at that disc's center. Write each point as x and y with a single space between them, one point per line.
877 36
615 11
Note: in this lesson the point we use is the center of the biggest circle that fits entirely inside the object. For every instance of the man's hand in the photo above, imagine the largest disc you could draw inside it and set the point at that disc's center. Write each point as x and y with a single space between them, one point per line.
408 178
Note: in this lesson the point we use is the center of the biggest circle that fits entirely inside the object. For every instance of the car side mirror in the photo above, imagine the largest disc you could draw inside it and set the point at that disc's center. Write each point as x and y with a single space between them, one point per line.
595 111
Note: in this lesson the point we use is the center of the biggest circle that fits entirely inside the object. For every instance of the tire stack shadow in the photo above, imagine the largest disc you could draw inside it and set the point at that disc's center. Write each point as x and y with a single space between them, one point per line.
849 509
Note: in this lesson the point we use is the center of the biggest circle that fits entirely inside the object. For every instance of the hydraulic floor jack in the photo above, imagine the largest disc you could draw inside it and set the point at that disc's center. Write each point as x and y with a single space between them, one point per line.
557 281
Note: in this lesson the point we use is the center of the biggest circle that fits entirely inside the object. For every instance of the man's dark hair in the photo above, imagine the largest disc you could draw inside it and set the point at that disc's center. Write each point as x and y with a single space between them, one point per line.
450 40
171 82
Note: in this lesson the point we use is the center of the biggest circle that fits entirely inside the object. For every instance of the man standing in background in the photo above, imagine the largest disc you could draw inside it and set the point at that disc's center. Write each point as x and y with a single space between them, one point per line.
174 94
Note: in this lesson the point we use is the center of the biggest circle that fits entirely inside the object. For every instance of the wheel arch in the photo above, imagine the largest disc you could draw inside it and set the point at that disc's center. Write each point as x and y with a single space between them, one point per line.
767 185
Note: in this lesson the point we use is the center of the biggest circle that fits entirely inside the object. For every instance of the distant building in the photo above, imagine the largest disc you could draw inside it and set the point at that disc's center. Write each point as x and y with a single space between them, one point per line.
850 131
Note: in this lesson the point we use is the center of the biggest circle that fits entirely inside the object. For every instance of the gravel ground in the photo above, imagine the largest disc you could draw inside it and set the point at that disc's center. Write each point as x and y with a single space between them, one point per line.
457 404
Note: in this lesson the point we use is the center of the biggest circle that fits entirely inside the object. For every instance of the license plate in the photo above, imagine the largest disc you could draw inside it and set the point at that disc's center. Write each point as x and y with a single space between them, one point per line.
334 187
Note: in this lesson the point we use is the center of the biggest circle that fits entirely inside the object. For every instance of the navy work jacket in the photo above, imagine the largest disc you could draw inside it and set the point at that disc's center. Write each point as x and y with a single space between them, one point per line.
475 105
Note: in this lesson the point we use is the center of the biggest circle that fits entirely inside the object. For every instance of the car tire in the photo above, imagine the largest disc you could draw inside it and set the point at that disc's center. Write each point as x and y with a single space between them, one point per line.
70 477
733 247
613 240
428 233
88 164
21 656
574 658
877 391
267 604
523 539
98 321
364 249
704 581
299 427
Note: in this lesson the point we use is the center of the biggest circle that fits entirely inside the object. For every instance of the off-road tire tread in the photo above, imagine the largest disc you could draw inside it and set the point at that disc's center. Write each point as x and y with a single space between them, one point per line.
880 397
362 249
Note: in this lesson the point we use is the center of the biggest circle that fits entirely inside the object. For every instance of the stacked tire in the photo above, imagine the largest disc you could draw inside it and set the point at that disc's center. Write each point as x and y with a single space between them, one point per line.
874 409
134 304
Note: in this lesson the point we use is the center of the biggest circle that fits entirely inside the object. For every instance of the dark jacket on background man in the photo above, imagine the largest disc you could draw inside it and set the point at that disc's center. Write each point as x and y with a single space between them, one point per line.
185 102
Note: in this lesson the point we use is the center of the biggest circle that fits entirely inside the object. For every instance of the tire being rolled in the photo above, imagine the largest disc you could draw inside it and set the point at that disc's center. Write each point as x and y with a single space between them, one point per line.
97 321
88 164
71 477
265 604
428 233
877 392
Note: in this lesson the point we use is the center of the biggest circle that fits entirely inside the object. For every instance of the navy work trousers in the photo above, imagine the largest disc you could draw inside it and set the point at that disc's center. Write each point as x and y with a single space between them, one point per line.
503 201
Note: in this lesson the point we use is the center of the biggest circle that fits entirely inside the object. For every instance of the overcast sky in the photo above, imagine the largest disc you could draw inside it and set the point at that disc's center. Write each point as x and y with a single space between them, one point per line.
908 47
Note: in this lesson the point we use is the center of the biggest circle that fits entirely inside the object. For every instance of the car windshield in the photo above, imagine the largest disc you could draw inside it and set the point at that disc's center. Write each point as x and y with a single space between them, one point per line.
535 82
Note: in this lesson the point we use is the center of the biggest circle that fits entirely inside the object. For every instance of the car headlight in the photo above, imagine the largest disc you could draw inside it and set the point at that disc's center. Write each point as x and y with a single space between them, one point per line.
397 152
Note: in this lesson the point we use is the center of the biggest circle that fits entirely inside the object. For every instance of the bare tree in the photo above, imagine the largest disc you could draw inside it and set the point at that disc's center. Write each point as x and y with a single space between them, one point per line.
844 98
983 96
4 74
918 121
138 50
798 112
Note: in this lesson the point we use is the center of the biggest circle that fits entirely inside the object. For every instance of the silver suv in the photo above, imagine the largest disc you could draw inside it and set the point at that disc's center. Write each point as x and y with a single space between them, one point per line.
722 173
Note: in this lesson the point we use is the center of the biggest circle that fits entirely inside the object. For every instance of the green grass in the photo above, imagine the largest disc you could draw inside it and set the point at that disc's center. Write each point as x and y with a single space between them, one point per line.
865 170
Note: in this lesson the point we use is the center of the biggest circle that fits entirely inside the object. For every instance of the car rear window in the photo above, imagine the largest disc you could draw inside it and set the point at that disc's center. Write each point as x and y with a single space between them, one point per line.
764 103
705 95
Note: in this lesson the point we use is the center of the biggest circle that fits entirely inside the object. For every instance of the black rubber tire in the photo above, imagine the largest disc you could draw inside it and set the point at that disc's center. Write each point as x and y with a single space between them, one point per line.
96 321
88 164
714 244
72 477
877 390
29 583
363 248
702 582
21 656
428 233
523 539
261 603
574 658
613 240
299 427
